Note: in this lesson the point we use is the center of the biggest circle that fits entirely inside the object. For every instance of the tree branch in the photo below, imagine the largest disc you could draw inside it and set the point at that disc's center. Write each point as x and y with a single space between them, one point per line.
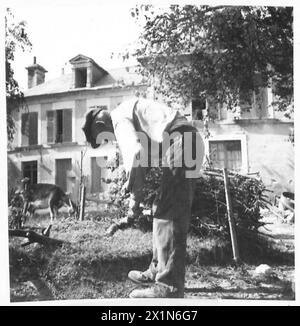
35 237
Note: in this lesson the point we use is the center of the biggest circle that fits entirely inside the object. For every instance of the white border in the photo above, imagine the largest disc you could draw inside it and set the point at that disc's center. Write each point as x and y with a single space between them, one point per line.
4 272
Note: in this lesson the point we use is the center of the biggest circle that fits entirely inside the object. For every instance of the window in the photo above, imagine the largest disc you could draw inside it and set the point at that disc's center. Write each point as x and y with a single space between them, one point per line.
29 128
198 105
80 77
59 126
29 170
226 154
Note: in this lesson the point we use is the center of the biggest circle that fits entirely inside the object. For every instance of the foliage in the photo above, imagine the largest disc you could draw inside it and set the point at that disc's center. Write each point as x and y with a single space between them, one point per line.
120 199
248 196
16 37
117 197
222 52
209 211
15 210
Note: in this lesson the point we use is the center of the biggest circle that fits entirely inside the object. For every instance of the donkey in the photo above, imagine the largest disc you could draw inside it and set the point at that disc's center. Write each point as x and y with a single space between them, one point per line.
45 195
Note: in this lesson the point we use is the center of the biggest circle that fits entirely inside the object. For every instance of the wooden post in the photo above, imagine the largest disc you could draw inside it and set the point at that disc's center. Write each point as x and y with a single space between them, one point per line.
82 203
81 191
235 248
81 174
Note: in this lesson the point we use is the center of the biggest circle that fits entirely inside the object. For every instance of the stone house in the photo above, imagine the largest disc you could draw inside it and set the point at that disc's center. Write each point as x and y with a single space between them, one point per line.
49 144
254 138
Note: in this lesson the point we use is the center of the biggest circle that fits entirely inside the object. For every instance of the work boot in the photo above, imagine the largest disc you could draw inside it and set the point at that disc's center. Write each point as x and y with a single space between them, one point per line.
155 291
144 278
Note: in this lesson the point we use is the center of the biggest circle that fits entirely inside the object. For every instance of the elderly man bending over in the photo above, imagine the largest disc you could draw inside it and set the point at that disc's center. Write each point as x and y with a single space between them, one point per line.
137 123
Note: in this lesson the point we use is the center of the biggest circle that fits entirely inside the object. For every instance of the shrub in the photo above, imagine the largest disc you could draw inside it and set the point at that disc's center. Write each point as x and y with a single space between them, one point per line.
15 209
209 211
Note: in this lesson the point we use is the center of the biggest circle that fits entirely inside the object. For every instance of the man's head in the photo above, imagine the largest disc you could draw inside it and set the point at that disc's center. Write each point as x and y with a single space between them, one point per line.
96 121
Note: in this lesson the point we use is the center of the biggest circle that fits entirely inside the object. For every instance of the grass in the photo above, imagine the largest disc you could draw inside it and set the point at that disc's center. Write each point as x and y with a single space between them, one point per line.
92 265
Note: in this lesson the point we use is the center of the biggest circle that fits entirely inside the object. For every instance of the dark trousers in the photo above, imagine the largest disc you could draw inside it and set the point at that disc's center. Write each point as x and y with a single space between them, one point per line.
172 212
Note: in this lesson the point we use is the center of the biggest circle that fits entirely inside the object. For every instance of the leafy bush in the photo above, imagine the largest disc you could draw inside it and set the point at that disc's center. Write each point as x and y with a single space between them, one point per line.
120 200
15 209
117 197
209 211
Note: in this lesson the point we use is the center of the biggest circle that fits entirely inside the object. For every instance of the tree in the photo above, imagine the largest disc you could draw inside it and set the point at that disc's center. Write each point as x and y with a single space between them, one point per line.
225 52
15 37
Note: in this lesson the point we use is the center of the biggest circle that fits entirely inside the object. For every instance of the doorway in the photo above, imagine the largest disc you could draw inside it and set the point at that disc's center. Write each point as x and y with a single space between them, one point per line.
62 169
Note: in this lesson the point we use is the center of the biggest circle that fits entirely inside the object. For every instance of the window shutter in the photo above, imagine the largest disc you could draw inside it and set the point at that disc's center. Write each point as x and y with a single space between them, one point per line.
226 154
67 125
43 132
25 129
33 128
50 126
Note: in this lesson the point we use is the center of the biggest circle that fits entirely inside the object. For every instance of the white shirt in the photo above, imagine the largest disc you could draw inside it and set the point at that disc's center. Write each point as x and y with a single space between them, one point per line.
149 117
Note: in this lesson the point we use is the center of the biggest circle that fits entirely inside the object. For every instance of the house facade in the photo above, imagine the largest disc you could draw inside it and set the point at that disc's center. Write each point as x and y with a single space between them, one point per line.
255 139
50 147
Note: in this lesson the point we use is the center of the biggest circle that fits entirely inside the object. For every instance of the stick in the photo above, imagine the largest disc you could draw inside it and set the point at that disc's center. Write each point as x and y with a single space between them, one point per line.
235 249
35 237
82 202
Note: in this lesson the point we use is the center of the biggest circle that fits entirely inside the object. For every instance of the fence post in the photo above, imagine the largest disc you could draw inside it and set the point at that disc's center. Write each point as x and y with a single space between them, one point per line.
82 202
235 249
82 191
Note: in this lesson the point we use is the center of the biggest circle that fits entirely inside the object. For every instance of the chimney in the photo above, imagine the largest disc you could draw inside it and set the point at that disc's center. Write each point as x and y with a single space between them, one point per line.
36 74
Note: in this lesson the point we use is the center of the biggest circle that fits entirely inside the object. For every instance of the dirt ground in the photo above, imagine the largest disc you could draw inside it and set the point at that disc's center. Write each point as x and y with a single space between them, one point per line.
213 282
202 281
243 284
